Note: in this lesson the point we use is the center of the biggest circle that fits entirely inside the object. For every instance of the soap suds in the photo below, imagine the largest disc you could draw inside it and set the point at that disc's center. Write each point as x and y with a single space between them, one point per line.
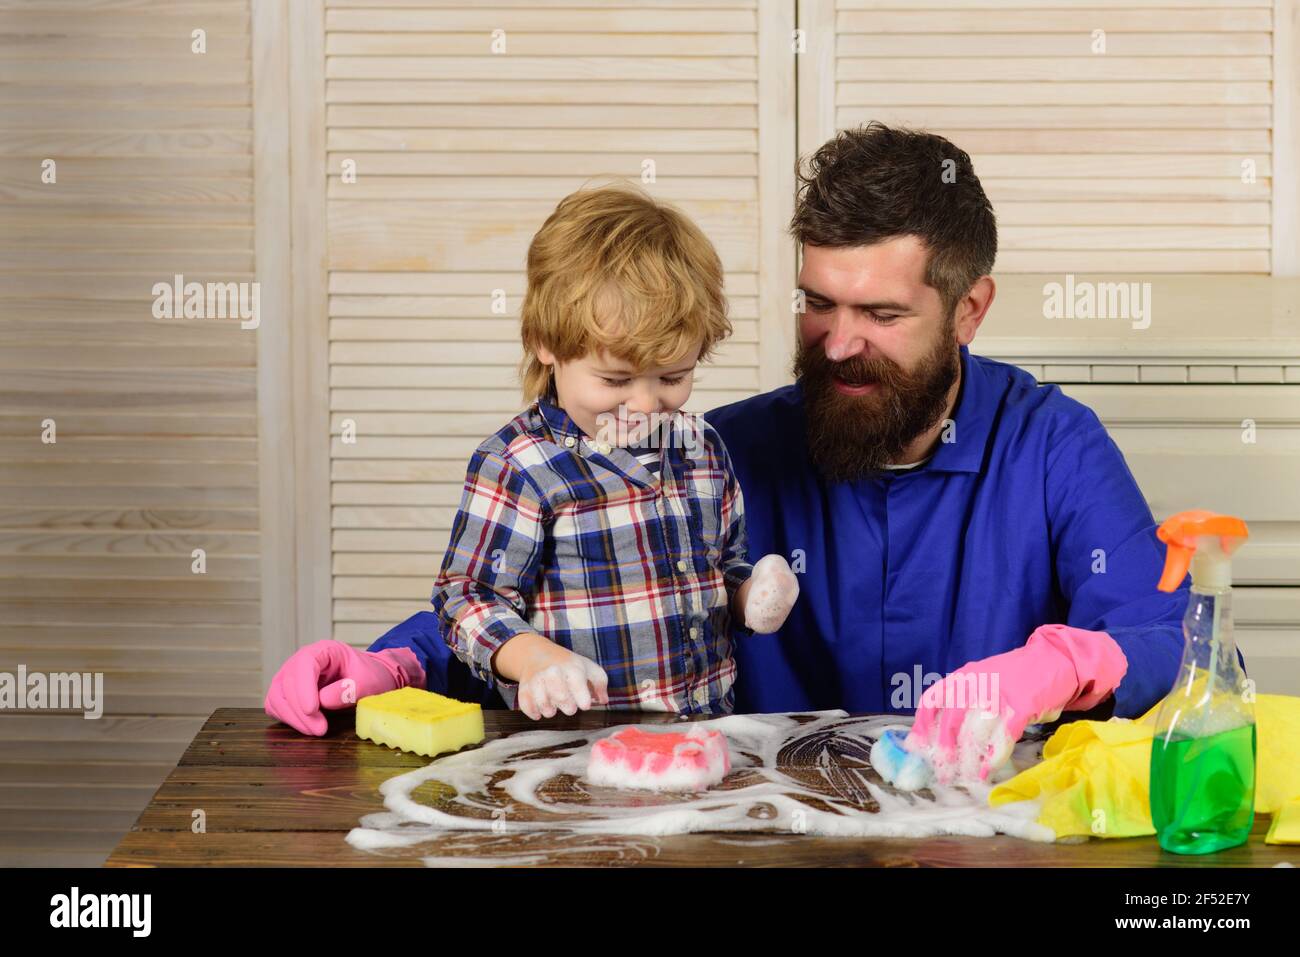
790 773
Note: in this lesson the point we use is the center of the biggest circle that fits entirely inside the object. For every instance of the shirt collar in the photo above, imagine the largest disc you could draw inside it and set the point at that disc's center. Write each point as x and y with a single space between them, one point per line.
973 417
557 420
562 427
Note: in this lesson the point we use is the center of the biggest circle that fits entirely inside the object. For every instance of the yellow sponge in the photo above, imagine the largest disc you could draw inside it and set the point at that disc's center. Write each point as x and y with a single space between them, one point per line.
419 721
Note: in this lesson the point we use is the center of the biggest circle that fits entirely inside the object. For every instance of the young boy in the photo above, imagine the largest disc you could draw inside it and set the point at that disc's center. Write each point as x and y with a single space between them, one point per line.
598 556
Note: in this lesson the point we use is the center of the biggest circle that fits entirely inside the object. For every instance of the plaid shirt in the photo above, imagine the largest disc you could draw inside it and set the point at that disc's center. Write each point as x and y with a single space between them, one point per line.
581 543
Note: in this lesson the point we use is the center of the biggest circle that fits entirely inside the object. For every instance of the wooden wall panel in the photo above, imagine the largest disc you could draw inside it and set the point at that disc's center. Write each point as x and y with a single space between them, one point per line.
460 155
157 428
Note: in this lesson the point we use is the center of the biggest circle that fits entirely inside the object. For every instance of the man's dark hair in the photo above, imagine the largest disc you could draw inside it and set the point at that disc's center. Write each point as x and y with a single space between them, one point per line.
876 182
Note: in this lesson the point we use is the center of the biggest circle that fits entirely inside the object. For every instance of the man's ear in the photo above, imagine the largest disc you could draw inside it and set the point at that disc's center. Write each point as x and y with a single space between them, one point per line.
545 356
972 308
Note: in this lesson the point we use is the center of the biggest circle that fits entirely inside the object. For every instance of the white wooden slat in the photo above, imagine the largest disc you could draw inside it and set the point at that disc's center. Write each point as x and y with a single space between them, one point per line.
649 7
1173 189
178 21
1064 93
543 44
1059 116
182 67
589 163
1198 238
983 67
1073 44
656 92
1047 18
206 119
675 189
578 139
604 20
657 115
133 143
61 46
1099 5
1067 213
523 67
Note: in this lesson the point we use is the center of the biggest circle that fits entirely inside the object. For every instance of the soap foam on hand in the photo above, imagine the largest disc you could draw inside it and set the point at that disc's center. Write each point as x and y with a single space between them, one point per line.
659 760
910 769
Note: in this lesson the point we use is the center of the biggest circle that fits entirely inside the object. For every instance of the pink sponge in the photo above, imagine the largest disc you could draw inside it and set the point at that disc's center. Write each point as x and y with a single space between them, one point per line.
660 760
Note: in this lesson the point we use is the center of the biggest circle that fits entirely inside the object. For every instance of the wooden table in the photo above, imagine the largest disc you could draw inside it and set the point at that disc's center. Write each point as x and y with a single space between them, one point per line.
273 797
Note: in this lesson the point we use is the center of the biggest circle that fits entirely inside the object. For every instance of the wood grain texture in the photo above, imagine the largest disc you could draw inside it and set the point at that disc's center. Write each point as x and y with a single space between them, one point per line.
273 797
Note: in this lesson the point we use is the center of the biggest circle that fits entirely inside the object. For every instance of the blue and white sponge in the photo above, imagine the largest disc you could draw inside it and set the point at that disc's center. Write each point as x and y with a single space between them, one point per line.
901 768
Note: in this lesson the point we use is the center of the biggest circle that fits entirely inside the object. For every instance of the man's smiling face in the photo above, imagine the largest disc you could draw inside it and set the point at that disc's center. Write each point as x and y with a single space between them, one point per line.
878 358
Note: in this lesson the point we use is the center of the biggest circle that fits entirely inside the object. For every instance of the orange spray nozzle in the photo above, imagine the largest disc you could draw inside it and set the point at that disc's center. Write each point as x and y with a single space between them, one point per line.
1180 533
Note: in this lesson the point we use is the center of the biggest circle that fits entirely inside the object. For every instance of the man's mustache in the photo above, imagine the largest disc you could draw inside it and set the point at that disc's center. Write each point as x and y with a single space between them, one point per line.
854 370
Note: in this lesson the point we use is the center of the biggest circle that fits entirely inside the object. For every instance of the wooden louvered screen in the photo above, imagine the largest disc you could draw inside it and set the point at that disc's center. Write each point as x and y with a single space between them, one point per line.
460 154
1152 156
155 419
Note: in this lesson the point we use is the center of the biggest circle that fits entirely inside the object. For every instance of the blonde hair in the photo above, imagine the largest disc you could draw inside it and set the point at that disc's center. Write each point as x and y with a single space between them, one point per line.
614 268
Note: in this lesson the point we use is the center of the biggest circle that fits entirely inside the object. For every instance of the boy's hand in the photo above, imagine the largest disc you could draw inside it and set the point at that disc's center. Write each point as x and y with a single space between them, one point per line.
769 594
331 675
550 677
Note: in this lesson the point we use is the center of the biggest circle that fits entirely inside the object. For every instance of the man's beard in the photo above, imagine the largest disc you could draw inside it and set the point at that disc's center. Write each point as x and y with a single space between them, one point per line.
855 436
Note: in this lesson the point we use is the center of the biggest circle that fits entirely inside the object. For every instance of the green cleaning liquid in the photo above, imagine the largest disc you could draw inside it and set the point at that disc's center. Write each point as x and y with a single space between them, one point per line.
1203 790
1203 749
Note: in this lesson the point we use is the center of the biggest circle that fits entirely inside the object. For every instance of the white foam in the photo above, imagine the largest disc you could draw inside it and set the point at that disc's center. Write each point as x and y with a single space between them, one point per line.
772 593
756 797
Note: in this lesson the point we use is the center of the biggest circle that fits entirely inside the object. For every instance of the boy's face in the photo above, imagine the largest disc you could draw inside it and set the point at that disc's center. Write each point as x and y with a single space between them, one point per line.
611 401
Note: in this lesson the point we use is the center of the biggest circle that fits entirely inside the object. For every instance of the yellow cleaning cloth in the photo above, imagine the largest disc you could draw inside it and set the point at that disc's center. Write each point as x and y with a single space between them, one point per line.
1094 776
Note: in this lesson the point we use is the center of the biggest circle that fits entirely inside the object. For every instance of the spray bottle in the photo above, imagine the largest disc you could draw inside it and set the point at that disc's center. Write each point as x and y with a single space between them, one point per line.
1203 749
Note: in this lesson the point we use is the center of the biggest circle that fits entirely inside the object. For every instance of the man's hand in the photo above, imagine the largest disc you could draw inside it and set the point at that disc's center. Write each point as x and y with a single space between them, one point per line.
967 724
550 677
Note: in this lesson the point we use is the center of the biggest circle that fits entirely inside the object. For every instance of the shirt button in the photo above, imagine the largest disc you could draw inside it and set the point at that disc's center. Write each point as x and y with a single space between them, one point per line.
569 441
681 565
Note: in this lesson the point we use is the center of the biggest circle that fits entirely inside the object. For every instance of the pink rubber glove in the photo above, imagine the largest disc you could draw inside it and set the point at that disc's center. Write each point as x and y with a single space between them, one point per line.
333 675
967 724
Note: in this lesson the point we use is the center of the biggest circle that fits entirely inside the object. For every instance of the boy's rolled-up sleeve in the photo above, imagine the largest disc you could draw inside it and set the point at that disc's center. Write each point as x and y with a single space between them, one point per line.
490 567
736 567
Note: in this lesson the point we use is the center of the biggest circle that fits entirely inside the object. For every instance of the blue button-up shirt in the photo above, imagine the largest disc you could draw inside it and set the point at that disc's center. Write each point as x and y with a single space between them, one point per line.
1028 516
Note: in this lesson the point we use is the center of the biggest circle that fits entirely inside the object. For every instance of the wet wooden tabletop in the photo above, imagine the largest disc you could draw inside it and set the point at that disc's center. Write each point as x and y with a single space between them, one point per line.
268 796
